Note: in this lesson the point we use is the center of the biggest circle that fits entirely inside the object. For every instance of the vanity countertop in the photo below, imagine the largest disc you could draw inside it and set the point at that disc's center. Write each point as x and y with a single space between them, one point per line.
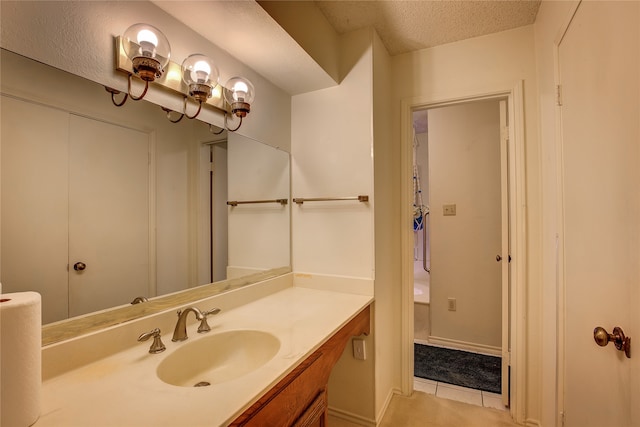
124 390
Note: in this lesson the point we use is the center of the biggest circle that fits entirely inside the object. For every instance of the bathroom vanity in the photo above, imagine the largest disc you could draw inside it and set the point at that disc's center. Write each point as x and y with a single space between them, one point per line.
270 350
300 399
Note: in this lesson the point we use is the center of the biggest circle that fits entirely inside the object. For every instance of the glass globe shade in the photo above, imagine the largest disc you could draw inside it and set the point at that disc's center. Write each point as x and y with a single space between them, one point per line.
239 90
146 41
199 70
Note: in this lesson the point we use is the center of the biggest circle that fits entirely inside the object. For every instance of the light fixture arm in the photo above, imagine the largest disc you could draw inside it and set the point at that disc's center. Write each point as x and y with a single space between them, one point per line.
185 109
215 133
227 126
168 111
115 92
144 92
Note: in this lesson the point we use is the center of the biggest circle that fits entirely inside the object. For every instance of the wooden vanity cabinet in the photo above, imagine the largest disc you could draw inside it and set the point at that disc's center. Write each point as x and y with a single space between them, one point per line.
300 399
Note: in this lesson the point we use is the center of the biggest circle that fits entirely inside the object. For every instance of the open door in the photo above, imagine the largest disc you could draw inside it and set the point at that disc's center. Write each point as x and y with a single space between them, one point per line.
599 71
505 257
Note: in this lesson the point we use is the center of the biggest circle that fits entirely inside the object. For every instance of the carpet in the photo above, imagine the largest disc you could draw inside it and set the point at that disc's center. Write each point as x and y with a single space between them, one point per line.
477 371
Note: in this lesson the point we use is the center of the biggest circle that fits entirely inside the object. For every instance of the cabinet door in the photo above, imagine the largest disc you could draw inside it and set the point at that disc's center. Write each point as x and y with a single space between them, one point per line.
316 414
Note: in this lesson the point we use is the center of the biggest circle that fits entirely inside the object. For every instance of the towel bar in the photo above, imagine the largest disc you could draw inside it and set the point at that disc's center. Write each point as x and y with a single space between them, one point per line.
245 202
301 200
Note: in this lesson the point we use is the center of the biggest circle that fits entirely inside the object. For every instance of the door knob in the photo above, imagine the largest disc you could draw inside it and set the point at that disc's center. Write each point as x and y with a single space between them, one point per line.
79 266
498 258
622 343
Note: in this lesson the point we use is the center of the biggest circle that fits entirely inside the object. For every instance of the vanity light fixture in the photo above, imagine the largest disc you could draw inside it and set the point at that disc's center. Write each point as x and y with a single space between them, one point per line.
149 51
201 75
144 51
239 94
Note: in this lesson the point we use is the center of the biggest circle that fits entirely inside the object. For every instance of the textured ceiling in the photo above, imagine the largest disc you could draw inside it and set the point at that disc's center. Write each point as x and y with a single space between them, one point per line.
249 34
405 25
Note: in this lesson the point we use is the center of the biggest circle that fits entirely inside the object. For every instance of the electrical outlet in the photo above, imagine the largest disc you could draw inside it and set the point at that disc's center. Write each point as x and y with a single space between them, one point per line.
359 349
452 305
449 210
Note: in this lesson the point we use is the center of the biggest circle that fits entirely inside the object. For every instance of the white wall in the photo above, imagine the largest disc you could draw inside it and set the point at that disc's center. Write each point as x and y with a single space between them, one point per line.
258 233
387 219
331 149
479 66
464 150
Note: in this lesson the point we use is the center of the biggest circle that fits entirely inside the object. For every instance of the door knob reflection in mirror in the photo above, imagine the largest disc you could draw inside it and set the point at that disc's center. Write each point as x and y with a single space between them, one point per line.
622 343
79 266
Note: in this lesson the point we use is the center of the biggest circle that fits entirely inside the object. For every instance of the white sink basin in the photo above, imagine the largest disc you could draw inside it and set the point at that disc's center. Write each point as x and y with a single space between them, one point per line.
218 358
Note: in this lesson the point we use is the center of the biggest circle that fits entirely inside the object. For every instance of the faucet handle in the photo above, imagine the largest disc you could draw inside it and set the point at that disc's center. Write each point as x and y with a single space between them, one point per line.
157 346
204 325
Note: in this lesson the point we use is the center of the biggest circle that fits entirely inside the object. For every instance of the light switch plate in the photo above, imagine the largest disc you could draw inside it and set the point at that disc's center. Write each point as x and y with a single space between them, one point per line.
359 350
449 210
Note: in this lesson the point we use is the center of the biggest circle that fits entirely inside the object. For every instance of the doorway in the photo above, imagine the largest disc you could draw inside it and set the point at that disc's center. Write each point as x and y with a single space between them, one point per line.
212 211
458 227
512 336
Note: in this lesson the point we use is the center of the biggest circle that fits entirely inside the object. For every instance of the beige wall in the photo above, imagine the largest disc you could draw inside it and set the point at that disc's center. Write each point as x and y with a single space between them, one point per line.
387 258
464 150
479 66
77 36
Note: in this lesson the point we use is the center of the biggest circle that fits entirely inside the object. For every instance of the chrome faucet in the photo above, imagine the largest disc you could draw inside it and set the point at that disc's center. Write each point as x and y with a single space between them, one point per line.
180 332
157 346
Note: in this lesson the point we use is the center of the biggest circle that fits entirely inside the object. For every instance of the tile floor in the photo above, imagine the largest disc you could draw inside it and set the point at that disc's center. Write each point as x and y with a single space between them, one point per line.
436 404
461 394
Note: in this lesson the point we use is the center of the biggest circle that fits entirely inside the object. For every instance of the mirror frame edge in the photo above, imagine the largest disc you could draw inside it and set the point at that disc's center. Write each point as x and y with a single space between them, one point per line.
83 325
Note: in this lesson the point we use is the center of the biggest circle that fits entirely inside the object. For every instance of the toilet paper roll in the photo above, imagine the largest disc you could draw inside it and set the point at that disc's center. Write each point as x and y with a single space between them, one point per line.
20 358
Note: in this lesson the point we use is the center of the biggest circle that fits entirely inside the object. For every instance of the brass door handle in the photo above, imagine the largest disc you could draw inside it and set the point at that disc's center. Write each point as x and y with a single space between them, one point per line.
622 343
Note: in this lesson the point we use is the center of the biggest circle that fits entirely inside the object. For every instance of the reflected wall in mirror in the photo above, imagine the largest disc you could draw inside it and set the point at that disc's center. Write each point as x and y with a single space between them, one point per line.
101 205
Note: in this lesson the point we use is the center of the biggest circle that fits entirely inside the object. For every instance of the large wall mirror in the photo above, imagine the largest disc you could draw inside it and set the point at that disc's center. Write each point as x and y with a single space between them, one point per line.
104 206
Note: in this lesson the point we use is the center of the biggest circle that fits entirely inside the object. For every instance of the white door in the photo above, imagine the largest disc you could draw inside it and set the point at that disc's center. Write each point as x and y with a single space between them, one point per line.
504 256
470 256
34 145
108 215
600 96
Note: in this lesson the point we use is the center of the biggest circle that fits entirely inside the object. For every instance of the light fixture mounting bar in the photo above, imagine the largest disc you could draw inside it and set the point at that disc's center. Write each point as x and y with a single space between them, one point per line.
171 78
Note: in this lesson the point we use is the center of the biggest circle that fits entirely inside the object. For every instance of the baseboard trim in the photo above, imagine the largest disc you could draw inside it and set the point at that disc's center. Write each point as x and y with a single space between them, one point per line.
463 345
351 417
386 403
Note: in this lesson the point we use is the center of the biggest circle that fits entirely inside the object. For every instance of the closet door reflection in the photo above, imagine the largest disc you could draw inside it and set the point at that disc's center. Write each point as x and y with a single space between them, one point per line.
74 191
34 203
108 215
